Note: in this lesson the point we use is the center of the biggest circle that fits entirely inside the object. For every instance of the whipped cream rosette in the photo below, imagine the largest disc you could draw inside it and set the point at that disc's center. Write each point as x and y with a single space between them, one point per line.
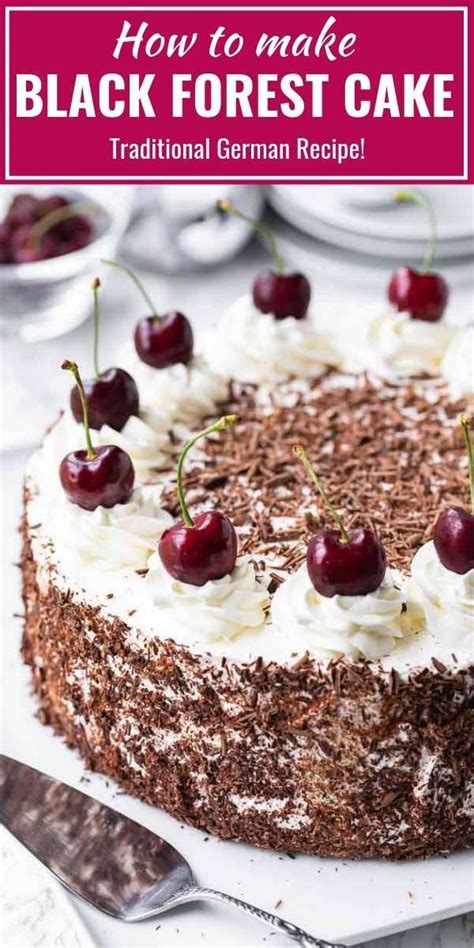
350 627
217 612
254 347
177 393
457 366
401 347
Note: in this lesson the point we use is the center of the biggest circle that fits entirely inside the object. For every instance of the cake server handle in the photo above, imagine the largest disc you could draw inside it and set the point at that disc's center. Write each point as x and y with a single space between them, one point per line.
297 934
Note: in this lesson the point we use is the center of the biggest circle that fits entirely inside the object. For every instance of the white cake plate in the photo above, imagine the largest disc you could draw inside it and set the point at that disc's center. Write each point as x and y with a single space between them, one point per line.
329 214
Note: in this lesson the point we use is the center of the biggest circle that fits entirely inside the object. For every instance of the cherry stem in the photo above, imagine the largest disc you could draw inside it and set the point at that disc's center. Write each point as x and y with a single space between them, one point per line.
72 367
225 422
228 208
465 421
418 198
301 454
138 284
57 216
95 290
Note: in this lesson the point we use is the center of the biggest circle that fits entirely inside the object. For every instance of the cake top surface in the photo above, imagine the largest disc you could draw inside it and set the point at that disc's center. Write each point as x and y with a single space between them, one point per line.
369 396
392 455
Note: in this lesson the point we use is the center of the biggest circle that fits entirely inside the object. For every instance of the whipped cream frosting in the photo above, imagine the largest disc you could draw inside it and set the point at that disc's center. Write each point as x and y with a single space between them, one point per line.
457 366
150 450
220 610
400 346
447 598
254 347
333 627
178 393
122 537
230 616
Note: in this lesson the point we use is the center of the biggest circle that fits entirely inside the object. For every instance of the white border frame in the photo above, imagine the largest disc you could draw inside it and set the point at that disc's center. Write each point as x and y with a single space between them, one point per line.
250 178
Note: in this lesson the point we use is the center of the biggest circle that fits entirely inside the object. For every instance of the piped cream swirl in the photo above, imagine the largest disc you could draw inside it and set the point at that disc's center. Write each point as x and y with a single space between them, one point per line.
447 598
352 626
119 538
149 450
178 393
458 363
401 346
222 609
254 347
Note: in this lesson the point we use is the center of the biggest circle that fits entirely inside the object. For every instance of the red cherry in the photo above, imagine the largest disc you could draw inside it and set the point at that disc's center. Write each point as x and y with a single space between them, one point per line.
282 294
160 341
103 480
164 341
111 396
352 567
5 244
23 210
42 229
197 554
341 562
65 223
77 229
454 528
92 477
25 249
196 551
422 295
111 399
276 292
454 539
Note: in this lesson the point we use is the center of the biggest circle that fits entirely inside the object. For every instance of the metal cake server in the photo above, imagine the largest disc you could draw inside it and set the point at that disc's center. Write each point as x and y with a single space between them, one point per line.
111 862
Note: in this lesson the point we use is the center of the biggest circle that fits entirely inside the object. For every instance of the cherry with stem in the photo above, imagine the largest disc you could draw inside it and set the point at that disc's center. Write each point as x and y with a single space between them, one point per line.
423 294
274 291
111 396
204 549
160 340
454 529
342 562
95 477
301 454
465 422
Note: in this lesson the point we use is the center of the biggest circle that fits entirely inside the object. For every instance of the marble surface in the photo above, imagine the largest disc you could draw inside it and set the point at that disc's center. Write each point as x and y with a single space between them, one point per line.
35 909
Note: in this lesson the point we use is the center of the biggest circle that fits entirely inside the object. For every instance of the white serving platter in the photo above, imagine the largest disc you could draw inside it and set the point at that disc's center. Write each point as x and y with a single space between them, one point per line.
326 213
342 901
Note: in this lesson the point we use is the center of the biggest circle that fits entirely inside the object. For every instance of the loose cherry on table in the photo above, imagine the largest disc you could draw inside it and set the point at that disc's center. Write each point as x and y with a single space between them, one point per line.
196 551
111 396
424 294
454 528
41 228
281 294
160 340
342 562
95 477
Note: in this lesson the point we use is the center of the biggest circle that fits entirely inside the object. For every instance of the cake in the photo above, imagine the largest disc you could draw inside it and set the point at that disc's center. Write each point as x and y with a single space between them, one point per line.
252 706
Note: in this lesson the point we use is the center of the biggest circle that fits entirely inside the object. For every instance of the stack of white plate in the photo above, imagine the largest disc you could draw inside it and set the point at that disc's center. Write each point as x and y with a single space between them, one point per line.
366 219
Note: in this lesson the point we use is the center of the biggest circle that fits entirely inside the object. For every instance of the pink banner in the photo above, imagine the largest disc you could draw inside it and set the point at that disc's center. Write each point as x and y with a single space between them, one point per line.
249 94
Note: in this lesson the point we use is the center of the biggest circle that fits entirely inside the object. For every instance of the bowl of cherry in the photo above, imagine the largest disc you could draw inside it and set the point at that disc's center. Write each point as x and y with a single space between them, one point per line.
50 241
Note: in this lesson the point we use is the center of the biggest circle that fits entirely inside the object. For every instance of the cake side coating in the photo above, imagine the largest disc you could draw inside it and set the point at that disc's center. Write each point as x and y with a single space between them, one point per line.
348 760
